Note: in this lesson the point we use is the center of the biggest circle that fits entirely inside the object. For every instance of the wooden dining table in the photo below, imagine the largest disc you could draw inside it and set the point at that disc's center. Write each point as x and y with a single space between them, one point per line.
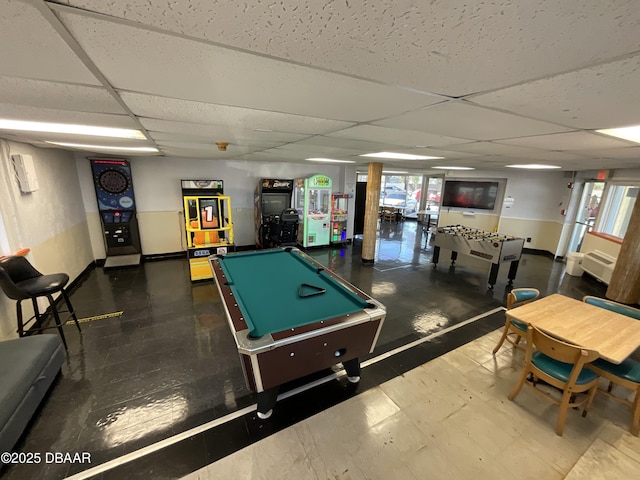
612 335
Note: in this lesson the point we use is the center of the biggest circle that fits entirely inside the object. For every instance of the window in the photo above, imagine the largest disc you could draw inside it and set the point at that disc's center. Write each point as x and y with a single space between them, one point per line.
617 209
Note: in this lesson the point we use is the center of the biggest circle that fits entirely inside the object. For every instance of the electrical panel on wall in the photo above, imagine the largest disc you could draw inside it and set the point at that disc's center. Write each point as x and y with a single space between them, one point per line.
26 173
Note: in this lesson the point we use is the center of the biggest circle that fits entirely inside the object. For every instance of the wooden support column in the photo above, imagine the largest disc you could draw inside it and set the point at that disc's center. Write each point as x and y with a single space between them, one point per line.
625 280
371 211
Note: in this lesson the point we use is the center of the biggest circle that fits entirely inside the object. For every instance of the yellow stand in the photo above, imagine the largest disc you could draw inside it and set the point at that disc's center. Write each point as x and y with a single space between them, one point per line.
209 227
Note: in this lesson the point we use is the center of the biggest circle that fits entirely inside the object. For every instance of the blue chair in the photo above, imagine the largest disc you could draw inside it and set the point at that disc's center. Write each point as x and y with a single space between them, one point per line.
561 365
514 330
626 374
607 304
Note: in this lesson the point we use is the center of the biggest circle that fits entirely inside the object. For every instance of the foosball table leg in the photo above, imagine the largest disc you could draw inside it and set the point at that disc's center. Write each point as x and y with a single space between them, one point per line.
513 269
493 275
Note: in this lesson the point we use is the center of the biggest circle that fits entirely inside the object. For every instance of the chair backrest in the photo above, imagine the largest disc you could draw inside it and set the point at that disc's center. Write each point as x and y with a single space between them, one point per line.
9 287
13 270
613 306
520 296
559 350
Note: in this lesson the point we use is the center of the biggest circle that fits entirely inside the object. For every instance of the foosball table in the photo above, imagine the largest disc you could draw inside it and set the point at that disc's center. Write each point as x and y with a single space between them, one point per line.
495 248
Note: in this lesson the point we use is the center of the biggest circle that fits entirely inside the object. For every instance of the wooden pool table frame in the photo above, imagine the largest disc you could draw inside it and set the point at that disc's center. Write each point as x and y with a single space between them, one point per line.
279 357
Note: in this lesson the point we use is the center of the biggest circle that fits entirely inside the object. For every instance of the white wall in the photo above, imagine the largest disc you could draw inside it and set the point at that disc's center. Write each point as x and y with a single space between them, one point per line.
50 221
156 183
533 206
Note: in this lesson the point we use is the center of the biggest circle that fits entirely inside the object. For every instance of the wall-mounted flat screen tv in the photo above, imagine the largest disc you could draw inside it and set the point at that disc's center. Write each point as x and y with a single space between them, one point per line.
470 194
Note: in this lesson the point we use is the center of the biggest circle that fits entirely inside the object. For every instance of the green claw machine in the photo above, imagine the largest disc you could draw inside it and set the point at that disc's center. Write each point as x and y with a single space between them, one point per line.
312 200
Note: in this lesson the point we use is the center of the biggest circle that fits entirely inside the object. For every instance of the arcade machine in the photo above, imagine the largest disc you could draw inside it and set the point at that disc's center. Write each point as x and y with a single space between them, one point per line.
117 208
339 208
312 200
208 224
276 222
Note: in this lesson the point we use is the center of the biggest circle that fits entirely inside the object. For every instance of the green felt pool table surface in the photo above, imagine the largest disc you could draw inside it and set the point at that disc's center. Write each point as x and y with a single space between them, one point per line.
281 289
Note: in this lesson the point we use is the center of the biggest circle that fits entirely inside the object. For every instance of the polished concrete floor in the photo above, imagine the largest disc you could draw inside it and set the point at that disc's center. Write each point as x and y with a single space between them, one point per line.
153 387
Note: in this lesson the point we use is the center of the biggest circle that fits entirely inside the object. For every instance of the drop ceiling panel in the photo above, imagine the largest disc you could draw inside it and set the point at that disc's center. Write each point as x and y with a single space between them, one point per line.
333 142
621 153
484 148
38 93
206 147
19 112
234 117
199 71
186 130
609 88
463 120
568 141
394 136
42 53
162 137
504 42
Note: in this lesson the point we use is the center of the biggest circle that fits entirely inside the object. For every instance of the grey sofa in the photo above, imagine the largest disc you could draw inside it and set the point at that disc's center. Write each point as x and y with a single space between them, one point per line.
28 367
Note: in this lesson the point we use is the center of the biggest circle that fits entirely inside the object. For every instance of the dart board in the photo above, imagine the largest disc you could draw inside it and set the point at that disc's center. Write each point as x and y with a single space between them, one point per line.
113 181
114 189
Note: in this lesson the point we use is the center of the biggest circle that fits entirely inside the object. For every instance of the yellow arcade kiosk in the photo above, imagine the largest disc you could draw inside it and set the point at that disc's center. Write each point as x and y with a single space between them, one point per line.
208 224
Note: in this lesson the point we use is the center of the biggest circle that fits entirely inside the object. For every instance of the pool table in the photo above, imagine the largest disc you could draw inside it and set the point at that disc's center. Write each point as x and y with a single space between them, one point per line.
291 317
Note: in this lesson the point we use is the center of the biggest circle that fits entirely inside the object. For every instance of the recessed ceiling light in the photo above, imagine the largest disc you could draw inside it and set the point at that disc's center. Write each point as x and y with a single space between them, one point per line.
534 166
628 133
329 160
265 130
454 168
395 171
106 147
6 124
400 156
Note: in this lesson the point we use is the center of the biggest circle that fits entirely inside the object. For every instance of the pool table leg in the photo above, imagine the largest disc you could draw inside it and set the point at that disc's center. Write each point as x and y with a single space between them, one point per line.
352 367
266 402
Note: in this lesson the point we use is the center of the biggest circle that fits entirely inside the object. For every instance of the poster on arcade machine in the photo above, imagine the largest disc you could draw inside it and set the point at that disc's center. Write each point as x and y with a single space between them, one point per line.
313 203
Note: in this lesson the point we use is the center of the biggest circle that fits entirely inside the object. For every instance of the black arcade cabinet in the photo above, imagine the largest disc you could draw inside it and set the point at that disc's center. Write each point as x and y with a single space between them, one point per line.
276 222
117 208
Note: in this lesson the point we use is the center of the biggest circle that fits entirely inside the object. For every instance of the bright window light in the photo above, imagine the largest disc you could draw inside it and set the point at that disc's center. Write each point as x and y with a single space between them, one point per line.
106 147
70 128
534 166
627 133
400 156
329 160
454 168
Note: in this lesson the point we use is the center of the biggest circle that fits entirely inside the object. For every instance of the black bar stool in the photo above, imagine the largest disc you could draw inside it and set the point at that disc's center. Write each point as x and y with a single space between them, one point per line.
20 281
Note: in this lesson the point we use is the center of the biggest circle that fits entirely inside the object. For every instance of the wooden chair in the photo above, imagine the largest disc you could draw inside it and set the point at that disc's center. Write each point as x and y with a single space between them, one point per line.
607 304
626 374
558 364
514 330
388 213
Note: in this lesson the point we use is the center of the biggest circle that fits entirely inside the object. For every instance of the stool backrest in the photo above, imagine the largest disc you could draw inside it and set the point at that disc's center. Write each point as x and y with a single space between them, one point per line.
13 270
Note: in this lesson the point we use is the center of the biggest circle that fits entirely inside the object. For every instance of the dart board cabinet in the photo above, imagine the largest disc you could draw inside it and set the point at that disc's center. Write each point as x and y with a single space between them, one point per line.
117 209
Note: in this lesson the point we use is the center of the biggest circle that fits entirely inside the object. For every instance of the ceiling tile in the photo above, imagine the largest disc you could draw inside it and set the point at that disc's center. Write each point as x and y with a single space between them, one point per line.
38 93
502 42
233 117
42 53
208 73
462 120
590 98
394 136
19 112
568 141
